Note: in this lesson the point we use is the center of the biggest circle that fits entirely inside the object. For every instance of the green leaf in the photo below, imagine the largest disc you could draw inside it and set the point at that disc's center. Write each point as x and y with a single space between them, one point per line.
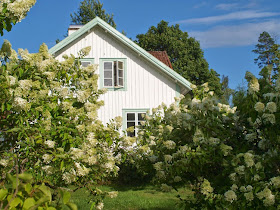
13 180
72 206
51 208
3 107
61 165
46 191
28 188
66 197
3 194
15 202
28 203
25 177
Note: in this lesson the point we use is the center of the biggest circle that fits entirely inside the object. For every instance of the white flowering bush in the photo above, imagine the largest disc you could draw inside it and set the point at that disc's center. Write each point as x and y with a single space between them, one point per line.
228 157
189 142
13 11
49 119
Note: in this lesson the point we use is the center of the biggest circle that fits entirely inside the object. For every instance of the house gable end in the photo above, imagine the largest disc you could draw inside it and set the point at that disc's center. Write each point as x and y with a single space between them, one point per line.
126 41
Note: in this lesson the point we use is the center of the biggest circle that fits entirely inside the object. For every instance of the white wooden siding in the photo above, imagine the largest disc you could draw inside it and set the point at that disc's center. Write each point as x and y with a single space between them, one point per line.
147 87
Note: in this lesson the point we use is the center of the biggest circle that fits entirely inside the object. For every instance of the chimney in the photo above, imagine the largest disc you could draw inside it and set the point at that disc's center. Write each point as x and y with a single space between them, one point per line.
73 28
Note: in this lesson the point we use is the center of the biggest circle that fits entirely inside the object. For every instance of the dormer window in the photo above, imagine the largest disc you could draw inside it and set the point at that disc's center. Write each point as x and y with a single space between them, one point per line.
112 73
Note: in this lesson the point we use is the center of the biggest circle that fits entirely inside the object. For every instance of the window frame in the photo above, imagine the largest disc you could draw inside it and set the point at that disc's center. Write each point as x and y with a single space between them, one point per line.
101 73
136 112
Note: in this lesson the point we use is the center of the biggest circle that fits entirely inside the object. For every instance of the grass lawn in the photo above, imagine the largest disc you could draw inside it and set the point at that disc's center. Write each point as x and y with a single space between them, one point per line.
131 198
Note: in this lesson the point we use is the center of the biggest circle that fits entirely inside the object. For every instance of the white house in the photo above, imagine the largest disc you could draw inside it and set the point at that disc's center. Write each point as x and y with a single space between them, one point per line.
135 79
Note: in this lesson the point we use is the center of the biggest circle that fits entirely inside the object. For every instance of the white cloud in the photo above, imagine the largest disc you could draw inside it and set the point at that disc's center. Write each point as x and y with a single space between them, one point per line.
241 15
227 6
233 6
202 4
236 35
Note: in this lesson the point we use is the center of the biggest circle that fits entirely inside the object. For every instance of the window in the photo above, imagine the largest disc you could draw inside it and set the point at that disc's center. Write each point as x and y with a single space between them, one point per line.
86 61
113 73
133 118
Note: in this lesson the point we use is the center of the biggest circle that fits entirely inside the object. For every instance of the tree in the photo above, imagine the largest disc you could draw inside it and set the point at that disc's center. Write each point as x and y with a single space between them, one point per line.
227 92
13 12
184 52
88 10
266 49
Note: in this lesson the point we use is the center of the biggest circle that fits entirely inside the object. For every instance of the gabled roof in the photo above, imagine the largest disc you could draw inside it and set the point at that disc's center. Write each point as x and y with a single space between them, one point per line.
126 41
162 56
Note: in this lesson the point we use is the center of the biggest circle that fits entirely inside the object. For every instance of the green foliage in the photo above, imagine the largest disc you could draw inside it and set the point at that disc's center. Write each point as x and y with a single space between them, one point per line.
88 10
22 193
184 52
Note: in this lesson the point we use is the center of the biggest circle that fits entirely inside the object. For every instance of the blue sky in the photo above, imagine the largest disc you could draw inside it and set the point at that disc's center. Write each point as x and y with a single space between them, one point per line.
226 29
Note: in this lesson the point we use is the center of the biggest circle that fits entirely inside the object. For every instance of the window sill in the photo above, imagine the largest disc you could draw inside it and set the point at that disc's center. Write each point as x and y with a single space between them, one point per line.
116 88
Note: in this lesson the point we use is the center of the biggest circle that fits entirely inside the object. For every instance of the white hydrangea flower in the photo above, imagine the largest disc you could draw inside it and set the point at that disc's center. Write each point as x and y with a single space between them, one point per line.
153 158
254 86
83 95
168 158
4 162
259 107
225 149
177 179
249 196
206 188
19 8
249 159
12 80
214 141
158 166
47 158
169 128
48 169
49 143
269 118
275 181
21 103
76 153
169 144
100 206
69 177
242 189
267 196
256 177
240 170
81 170
113 194
50 75
271 107
25 84
230 196
234 187
251 137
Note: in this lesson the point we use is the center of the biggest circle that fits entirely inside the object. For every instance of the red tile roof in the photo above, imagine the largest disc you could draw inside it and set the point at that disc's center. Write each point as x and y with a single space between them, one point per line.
162 56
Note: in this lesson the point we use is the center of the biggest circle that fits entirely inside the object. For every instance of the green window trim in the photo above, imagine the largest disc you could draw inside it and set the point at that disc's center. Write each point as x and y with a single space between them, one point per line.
101 73
126 111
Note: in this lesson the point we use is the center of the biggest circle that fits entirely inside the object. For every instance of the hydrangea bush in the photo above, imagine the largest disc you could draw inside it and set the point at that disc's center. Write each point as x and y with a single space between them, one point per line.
49 119
227 157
